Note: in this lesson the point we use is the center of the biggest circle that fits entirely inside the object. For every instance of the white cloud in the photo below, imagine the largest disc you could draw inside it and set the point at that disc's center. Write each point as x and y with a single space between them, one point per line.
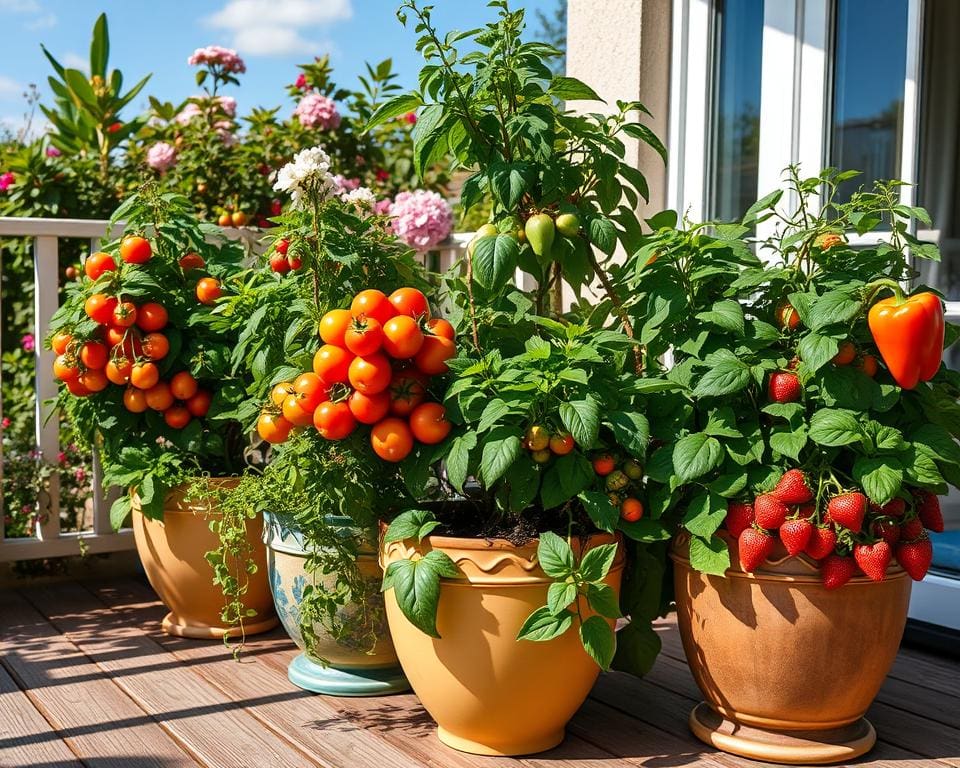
9 87
277 27
41 19
73 60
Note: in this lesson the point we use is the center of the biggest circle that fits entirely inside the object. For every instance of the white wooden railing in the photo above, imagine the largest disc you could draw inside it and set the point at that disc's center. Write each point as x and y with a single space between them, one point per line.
47 539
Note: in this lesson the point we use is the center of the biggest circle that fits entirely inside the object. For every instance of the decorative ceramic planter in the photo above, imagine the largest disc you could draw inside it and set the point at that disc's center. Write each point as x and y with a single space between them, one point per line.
172 552
787 668
490 693
337 666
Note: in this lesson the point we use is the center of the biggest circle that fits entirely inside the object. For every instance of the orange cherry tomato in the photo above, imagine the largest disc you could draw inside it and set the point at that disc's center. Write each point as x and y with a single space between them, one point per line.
177 416
631 509
369 409
391 439
370 374
364 336
183 385
279 392
333 326
432 357
786 316
93 355
208 290
407 390
124 314
410 302
372 303
65 367
402 337
114 335
334 421
93 379
99 307
135 400
429 424
309 390
98 263
191 261
604 464
155 346
437 326
159 396
152 317
144 375
135 249
118 370
846 353
76 387
562 443
199 404
60 342
332 364
273 428
868 364
294 413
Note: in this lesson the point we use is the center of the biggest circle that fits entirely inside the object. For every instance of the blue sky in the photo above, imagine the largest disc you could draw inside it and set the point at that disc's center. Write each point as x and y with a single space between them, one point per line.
272 36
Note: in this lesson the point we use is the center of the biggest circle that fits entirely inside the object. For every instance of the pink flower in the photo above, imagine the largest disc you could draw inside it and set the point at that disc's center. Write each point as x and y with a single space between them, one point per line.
26 509
344 184
28 342
224 129
382 206
80 475
162 156
421 218
228 104
62 457
5 423
225 58
187 114
317 111
301 82
53 152
6 181
411 118
382 174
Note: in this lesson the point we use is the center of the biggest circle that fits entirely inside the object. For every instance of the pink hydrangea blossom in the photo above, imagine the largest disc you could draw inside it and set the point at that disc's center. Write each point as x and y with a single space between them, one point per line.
301 82
162 156
53 152
317 111
421 219
6 181
225 58
28 342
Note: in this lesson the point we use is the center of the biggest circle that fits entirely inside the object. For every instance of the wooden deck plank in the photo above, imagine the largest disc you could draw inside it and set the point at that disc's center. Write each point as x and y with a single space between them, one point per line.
59 680
26 738
213 728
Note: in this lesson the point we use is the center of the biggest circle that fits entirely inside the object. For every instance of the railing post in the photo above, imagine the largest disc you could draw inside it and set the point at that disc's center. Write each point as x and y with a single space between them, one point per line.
46 284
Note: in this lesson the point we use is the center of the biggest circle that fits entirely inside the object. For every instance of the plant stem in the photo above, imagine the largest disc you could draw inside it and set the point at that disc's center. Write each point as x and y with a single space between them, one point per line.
614 297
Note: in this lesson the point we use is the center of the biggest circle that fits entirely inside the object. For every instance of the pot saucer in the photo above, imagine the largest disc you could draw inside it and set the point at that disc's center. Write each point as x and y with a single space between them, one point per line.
305 673
174 625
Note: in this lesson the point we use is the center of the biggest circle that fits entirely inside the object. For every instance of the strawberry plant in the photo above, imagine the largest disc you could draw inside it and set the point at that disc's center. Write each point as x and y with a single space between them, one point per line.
811 408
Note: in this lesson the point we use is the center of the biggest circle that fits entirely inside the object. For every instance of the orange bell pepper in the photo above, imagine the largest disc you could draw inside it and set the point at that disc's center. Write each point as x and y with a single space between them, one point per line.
908 331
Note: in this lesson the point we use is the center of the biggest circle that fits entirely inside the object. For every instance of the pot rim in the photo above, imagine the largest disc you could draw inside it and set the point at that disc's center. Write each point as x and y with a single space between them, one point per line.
480 543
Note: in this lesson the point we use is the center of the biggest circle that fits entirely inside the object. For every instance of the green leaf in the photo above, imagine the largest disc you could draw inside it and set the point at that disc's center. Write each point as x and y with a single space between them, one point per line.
100 47
500 450
834 427
582 420
602 233
638 646
571 89
400 105
412 524
416 585
705 514
920 467
458 459
724 377
937 441
833 307
710 556
559 595
695 455
567 476
880 478
816 350
788 442
543 625
492 413
602 512
726 314
596 562
631 430
598 640
722 422
495 260
647 531
523 478
120 511
603 599
555 556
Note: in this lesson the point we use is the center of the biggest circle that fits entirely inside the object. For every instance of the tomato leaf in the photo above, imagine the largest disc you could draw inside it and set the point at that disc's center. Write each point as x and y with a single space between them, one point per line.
543 625
582 419
598 640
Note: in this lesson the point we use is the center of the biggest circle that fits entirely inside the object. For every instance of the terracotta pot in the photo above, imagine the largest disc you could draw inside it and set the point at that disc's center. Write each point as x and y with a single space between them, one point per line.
341 665
172 552
490 693
787 667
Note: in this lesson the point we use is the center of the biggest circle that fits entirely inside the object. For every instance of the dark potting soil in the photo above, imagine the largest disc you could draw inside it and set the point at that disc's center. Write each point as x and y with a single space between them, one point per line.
470 519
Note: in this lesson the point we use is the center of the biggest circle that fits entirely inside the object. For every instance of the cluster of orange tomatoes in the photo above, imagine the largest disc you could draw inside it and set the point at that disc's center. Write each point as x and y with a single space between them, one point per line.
374 369
128 344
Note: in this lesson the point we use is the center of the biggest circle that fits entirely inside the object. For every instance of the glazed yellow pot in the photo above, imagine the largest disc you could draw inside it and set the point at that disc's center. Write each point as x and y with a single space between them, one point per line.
490 693
787 667
172 551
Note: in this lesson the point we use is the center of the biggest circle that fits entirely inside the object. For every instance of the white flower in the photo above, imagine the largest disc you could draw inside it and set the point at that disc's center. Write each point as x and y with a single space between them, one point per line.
362 199
307 179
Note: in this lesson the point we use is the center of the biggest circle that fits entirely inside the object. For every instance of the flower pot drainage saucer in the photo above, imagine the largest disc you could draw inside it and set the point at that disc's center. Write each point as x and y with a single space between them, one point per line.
789 747
174 625
357 681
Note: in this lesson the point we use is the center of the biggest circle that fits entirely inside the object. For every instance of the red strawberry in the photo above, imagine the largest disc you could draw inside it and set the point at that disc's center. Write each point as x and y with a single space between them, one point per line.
928 510
807 511
911 529
770 511
739 517
755 548
889 532
836 571
873 559
894 508
848 510
915 557
784 387
793 488
822 541
795 535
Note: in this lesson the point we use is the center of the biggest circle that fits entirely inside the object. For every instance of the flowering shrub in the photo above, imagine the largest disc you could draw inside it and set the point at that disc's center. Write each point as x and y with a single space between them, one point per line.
218 59
422 219
317 111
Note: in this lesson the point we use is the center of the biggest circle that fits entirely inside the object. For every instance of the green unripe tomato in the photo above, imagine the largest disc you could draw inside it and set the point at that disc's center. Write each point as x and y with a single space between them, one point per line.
633 469
617 481
568 224
540 231
541 457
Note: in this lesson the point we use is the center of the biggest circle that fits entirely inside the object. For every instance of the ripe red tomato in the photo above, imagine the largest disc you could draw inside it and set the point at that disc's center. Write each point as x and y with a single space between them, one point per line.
98 263
295 263
155 346
99 307
135 400
224 220
407 390
192 261
370 374
93 355
273 428
239 219
135 249
868 364
152 317
124 314
429 424
60 342
333 326
372 303
199 404
437 326
208 290
391 439
562 443
177 416
631 509
309 390
76 387
282 245
65 367
183 385
402 337
93 379
114 335
332 364
432 357
279 263
144 375
364 336
159 396
369 409
410 302
118 370
294 413
604 464
334 421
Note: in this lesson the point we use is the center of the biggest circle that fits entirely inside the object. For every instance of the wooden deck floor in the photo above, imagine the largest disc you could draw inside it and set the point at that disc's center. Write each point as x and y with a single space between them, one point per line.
87 678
